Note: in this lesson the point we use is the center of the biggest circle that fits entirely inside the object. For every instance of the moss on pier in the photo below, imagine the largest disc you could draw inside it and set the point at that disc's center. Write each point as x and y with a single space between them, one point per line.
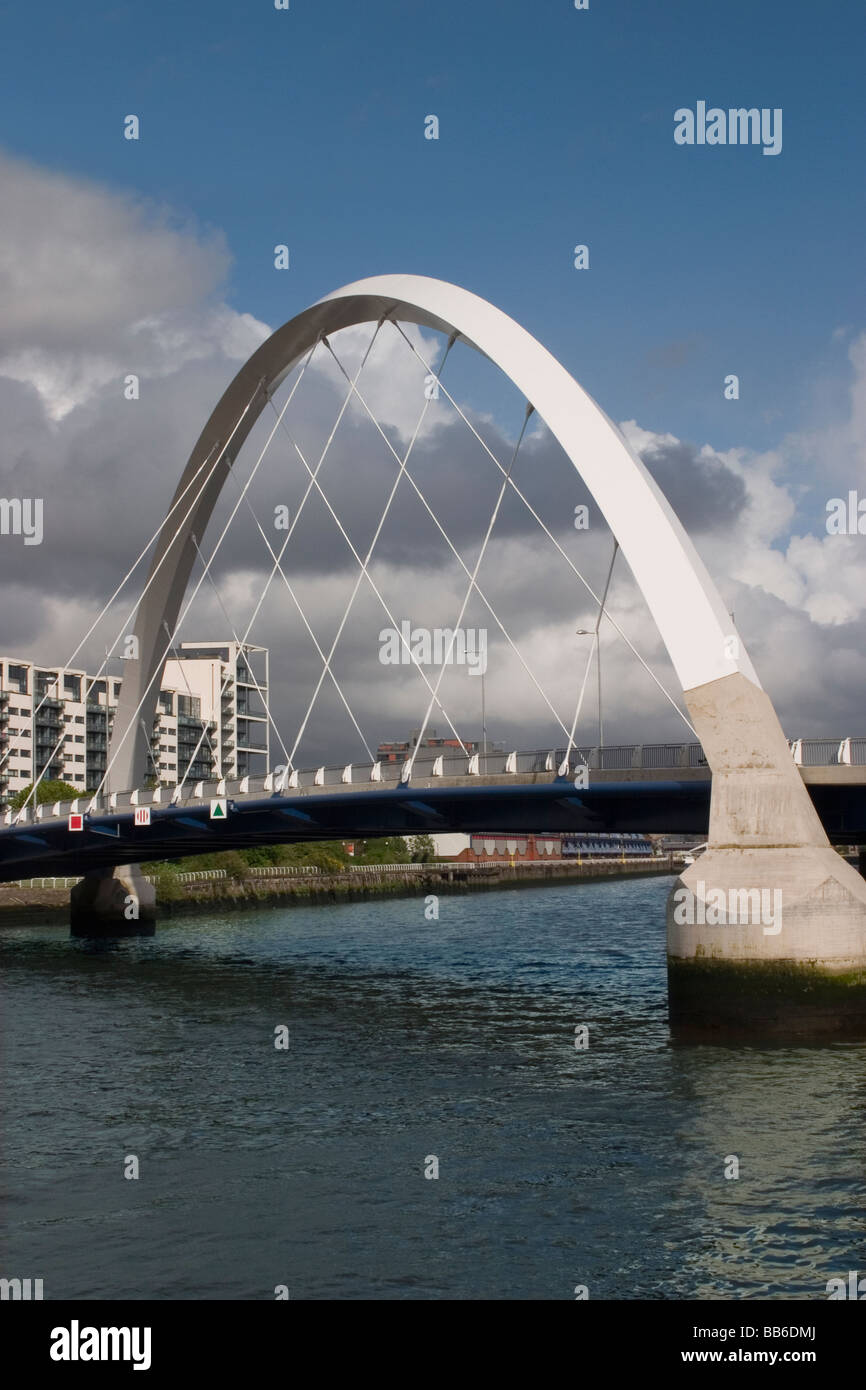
799 999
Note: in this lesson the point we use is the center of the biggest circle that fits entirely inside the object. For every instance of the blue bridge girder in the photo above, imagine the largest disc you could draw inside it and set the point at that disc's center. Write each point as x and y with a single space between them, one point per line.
672 806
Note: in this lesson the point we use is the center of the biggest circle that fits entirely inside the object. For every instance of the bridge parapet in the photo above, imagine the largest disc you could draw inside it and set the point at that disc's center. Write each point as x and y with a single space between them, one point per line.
676 760
829 752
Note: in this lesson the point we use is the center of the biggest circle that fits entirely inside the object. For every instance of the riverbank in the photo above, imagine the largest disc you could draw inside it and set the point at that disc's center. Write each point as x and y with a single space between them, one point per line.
176 898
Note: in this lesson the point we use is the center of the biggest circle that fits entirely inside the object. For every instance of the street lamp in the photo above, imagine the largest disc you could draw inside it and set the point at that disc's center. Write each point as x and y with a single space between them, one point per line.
594 633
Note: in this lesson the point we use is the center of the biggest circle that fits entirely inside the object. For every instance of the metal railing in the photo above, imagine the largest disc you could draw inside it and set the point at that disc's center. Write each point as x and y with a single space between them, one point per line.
46 882
625 758
283 870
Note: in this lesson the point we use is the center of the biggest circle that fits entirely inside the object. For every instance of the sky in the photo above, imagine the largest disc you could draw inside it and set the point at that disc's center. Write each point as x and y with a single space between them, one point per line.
306 127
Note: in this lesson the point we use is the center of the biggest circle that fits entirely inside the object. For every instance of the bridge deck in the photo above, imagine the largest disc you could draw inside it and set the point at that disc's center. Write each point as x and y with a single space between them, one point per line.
641 800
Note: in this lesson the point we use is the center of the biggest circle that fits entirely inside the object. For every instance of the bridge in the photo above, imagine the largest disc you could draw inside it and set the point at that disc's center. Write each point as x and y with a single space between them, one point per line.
769 808
649 788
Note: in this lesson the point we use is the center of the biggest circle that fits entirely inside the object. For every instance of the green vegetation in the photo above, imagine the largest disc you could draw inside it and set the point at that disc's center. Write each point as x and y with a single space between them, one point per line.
45 792
327 855
423 849
392 849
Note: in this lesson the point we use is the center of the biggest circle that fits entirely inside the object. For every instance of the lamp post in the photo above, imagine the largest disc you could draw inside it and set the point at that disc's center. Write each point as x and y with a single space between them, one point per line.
594 633
483 728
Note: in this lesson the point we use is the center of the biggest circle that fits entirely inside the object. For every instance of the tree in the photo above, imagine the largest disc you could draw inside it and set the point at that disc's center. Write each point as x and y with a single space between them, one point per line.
45 792
390 849
422 849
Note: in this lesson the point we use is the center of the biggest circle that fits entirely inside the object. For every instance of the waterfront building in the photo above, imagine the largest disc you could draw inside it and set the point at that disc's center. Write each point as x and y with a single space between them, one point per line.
211 719
550 848
430 747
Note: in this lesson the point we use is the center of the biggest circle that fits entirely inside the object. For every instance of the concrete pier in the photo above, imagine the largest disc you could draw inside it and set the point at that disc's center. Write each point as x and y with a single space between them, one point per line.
113 902
766 931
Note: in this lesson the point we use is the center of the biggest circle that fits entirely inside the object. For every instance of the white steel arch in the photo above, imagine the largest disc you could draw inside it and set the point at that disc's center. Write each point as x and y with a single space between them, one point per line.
686 606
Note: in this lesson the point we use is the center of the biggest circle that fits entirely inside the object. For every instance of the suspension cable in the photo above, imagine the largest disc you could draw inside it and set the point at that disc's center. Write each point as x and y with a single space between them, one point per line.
278 567
366 561
371 581
552 538
159 668
451 546
447 656
231 625
589 660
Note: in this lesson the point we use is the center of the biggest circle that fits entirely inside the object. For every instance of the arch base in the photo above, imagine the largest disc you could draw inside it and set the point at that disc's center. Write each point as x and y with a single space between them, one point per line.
775 948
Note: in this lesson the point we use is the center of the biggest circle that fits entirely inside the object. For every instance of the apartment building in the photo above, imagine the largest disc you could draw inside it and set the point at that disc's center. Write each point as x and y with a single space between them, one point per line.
210 721
230 682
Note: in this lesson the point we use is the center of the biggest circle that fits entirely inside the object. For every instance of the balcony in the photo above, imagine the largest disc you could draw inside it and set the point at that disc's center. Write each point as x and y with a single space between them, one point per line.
51 770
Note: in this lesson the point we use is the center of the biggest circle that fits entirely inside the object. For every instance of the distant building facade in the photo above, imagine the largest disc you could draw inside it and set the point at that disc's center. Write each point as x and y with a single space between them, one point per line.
492 848
211 719
430 747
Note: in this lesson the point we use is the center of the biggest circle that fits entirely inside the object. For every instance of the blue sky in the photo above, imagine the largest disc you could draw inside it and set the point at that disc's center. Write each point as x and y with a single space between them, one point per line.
306 127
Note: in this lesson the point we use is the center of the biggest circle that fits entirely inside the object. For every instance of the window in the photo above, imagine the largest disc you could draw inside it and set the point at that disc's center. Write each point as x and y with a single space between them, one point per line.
79 738
78 758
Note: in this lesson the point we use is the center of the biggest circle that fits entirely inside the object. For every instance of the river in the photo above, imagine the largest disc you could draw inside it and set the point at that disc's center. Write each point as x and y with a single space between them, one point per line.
411 1040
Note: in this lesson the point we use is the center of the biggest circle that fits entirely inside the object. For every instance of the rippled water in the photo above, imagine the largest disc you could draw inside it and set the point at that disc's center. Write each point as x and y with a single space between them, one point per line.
411 1038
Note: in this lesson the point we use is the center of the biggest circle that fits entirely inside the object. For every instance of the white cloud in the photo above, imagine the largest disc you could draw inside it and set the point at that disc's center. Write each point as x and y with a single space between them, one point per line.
94 285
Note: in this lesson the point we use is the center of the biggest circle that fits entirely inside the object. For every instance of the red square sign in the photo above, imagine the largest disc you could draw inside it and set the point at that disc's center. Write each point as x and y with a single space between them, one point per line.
76 820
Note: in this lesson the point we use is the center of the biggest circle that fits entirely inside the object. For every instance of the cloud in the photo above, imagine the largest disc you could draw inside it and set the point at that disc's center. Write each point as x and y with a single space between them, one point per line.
706 493
79 262
95 284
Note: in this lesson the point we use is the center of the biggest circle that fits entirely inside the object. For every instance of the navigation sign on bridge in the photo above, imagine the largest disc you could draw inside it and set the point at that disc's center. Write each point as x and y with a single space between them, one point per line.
142 815
218 808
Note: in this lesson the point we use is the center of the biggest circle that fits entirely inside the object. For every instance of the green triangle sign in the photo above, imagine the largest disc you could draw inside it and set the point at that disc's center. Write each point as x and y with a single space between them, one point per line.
218 809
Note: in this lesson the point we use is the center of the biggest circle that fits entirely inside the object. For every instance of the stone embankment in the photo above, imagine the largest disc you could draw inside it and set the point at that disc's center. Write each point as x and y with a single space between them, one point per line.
48 899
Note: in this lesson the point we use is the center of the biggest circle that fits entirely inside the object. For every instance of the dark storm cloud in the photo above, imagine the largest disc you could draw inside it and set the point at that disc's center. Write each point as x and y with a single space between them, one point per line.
703 492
